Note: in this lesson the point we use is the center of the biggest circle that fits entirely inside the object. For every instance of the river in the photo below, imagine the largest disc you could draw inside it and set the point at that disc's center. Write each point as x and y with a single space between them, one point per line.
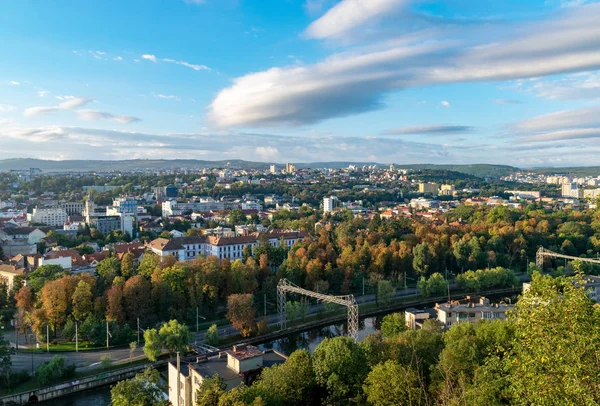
305 340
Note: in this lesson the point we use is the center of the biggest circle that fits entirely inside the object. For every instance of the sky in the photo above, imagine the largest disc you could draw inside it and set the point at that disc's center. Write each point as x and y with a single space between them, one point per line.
513 82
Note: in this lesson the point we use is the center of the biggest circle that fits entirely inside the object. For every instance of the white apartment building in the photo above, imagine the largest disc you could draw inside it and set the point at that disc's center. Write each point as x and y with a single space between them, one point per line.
469 311
232 248
422 203
52 216
571 189
330 204
428 188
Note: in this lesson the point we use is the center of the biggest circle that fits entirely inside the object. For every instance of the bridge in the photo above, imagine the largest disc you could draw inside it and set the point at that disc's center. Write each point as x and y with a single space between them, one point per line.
543 252
284 286
203 348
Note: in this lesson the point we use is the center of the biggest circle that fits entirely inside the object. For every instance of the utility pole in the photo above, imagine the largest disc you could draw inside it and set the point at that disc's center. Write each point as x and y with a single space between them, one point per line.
107 334
363 285
138 325
197 325
47 338
16 336
265 296
76 339
404 280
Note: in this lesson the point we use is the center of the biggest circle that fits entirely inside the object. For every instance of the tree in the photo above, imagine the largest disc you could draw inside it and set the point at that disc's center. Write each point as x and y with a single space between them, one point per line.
175 336
54 370
43 274
434 285
152 344
241 313
127 266
393 324
5 359
108 268
340 367
556 353
55 303
142 390
148 264
291 383
211 337
210 391
136 296
114 306
132 348
82 301
385 292
390 383
422 258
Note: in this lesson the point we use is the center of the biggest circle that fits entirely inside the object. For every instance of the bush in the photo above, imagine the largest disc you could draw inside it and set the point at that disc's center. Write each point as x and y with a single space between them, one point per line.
55 370
106 361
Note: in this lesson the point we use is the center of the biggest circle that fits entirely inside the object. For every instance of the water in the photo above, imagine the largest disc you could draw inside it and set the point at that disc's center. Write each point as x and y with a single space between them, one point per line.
92 397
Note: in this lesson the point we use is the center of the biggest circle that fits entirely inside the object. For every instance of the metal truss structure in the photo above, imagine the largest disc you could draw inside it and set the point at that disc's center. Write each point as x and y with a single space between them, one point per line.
542 252
284 286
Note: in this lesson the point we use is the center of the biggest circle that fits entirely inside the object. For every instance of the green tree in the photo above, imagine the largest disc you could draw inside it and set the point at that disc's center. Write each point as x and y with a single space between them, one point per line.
340 367
148 264
43 274
210 391
211 337
54 370
127 265
393 324
385 292
152 344
175 336
390 383
422 258
5 359
141 390
556 353
82 301
108 268
241 313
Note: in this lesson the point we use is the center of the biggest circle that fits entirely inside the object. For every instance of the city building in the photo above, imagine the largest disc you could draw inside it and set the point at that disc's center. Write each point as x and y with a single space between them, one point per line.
232 248
8 273
414 318
428 188
290 168
272 169
422 203
50 216
330 203
469 310
240 365
73 208
447 190
570 189
591 194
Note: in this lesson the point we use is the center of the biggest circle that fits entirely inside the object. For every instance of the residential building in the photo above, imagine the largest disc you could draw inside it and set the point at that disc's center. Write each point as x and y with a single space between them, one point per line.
422 203
330 203
241 365
188 248
8 273
50 216
591 194
428 188
73 208
570 189
414 318
273 170
470 310
290 168
447 190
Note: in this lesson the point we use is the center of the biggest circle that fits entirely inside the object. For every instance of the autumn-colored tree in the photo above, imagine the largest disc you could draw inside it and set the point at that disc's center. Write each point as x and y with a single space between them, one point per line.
114 309
136 296
55 303
127 265
241 313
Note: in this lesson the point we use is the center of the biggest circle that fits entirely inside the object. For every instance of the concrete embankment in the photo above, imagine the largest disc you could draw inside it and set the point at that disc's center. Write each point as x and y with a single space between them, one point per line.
77 385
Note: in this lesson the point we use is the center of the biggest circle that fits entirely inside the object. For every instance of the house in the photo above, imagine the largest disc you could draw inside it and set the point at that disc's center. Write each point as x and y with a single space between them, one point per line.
240 365
469 310
8 273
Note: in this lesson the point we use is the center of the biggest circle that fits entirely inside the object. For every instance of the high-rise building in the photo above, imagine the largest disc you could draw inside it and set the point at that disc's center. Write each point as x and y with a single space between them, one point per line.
428 188
273 170
571 189
290 168
330 204
52 216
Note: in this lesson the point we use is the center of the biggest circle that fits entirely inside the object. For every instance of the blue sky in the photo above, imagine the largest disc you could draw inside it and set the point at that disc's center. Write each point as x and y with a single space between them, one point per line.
404 81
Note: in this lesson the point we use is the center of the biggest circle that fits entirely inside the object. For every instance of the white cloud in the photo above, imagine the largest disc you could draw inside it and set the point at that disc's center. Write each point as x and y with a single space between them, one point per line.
350 15
14 83
195 67
445 103
90 115
117 58
43 93
357 80
149 57
506 101
430 130
267 153
69 103
6 107
564 125
166 96
583 85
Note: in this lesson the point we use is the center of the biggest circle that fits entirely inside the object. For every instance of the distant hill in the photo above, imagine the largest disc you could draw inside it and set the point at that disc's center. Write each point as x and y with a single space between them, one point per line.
479 170
573 171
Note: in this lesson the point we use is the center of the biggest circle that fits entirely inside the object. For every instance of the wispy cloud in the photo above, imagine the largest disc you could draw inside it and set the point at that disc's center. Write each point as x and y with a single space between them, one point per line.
69 103
445 103
6 107
429 130
506 101
357 80
90 115
564 125
166 96
196 67
14 83
117 58
43 93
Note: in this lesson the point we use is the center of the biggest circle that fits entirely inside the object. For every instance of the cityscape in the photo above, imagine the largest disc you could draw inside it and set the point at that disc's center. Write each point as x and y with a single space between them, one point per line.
303 202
